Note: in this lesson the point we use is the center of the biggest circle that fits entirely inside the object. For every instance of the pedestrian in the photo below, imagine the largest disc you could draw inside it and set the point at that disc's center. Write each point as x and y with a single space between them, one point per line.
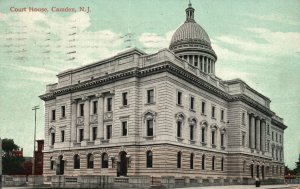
257 182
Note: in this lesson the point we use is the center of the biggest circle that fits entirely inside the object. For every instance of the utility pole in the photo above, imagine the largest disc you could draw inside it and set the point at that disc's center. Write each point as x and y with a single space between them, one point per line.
0 163
33 167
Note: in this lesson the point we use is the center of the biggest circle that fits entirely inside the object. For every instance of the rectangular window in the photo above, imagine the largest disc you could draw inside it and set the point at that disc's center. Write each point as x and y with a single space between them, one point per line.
192 101
276 137
222 115
213 109
94 133
95 107
124 99
243 118
80 135
179 98
124 128
272 136
243 139
62 136
53 115
203 108
150 127
108 131
191 132
280 138
63 111
213 137
150 96
179 123
203 135
81 110
268 129
52 138
109 104
222 139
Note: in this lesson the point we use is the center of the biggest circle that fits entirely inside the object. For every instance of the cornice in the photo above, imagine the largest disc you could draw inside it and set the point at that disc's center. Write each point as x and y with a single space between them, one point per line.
279 124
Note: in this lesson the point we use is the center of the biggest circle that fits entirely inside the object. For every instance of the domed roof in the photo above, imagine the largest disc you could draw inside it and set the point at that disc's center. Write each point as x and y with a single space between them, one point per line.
190 36
190 31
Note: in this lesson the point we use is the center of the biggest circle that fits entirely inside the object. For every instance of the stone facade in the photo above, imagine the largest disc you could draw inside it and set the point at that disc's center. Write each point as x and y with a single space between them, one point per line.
159 115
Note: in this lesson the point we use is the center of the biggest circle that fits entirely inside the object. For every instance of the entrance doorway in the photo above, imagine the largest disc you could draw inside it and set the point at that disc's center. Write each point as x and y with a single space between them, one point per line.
123 163
60 166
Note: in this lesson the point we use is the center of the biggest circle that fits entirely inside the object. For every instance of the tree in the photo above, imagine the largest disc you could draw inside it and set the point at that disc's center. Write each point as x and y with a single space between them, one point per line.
11 164
297 169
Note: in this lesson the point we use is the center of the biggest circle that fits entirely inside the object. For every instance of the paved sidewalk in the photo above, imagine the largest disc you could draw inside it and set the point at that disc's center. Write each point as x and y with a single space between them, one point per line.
286 186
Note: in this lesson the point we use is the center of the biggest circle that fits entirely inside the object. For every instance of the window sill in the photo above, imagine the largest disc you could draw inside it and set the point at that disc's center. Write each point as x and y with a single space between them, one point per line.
149 103
214 118
149 137
180 105
203 143
192 110
192 141
213 146
52 121
63 118
223 147
179 139
222 121
124 106
203 114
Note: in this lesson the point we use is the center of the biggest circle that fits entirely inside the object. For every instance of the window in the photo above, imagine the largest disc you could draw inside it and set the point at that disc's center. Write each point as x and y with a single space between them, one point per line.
276 137
222 164
150 127
192 101
108 132
213 109
280 138
124 128
213 137
196 61
80 135
149 159
51 163
104 159
203 162
76 161
203 134
94 133
95 107
90 161
272 136
213 163
191 132
268 129
252 170
179 160
150 96
179 98
81 110
203 108
179 129
243 118
53 115
52 138
62 136
109 104
222 139
124 99
63 111
222 115
268 146
192 161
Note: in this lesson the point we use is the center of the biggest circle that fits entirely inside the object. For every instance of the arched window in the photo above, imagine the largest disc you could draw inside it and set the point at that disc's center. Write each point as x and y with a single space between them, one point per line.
192 161
222 164
90 161
104 160
51 163
203 161
149 159
203 132
179 160
76 161
213 163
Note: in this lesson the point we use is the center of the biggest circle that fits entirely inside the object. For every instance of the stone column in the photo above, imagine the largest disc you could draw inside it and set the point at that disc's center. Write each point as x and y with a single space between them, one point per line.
263 135
258 139
202 63
198 62
252 130
100 133
74 121
206 60
86 119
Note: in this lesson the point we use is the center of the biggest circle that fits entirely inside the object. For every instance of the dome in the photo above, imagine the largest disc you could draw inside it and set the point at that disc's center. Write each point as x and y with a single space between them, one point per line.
190 32
190 36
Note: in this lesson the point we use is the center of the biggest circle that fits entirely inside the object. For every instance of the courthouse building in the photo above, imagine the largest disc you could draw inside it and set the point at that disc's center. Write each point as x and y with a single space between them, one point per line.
161 114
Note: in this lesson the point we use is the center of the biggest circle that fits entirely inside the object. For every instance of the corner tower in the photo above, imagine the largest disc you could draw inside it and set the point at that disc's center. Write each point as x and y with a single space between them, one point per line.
191 43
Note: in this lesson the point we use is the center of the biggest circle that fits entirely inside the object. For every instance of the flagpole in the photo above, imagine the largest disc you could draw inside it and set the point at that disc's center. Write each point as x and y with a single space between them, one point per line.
33 167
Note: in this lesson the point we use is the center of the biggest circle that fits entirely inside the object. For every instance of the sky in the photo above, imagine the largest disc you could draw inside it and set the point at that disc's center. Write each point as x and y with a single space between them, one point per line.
257 41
